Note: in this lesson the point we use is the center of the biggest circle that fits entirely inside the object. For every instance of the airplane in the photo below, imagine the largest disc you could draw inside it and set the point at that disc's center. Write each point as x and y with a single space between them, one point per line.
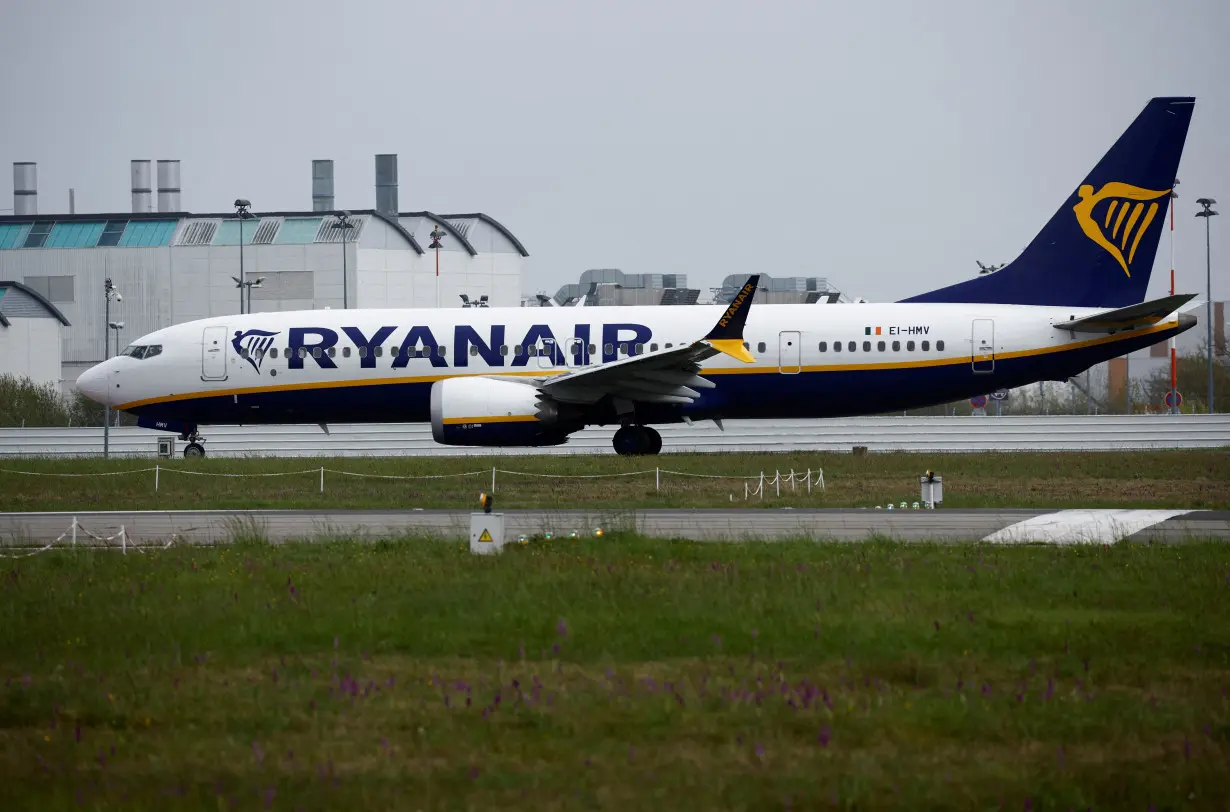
533 376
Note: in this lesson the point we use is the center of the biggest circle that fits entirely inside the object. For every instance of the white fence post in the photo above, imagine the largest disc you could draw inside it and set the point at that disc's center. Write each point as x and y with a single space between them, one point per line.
322 479
156 478
123 541
777 482
74 531
493 479
657 478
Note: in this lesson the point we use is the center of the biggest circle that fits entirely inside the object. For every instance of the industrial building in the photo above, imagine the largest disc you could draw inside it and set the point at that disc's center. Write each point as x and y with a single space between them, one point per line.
782 290
611 286
31 334
171 266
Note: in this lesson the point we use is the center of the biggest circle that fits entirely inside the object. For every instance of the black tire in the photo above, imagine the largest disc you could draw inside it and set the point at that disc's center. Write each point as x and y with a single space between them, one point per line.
626 441
194 450
654 439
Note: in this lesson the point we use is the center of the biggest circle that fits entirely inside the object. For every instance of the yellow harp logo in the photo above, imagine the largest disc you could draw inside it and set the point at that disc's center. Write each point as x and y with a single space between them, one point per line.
1122 220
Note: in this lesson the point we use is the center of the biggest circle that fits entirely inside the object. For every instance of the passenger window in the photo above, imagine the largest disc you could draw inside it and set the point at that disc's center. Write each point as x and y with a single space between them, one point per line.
939 346
896 346
880 346
303 352
926 345
518 350
503 349
608 348
273 353
639 348
852 346
669 345
866 346
473 352
760 347
345 352
909 345
592 349
332 352
824 346
316 352
441 350
623 348
379 352
362 352
653 347
836 346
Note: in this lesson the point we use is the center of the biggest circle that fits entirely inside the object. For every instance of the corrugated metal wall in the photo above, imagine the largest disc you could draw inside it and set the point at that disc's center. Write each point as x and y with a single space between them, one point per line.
933 434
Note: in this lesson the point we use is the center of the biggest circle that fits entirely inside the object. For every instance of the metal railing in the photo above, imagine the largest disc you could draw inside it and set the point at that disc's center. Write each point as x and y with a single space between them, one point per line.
958 434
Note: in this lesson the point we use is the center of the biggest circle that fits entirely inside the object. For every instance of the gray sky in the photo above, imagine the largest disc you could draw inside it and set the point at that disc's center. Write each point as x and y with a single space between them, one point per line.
885 145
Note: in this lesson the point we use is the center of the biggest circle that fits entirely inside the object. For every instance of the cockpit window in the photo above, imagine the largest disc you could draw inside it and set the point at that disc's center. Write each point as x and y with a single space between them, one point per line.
141 351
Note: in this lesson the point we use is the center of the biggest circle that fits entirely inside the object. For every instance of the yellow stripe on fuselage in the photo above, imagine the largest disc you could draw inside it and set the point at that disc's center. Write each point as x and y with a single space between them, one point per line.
505 418
543 373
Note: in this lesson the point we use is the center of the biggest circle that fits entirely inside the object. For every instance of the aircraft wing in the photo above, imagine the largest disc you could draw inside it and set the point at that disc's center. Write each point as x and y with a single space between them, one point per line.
665 376
1127 318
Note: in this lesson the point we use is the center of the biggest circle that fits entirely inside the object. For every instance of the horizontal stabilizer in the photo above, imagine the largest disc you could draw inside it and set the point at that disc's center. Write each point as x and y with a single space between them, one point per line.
1127 318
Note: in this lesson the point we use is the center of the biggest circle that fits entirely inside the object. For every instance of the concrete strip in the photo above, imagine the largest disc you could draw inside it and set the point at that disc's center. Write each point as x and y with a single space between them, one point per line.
1082 526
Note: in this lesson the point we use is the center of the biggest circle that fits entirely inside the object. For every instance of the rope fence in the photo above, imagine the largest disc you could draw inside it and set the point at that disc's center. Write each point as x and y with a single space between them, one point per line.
93 541
753 485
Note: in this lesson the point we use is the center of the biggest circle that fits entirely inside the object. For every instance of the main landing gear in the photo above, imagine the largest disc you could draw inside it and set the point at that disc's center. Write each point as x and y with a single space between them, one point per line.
194 447
633 440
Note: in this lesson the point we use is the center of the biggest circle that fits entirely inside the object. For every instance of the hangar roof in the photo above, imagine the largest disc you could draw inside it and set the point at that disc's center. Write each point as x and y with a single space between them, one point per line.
21 301
148 230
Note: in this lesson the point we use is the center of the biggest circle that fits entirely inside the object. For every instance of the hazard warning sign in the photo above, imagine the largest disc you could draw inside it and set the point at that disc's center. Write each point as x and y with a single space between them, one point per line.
486 536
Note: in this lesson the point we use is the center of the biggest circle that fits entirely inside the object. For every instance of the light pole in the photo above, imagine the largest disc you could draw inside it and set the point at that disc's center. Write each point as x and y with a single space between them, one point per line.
343 222
242 213
436 234
109 293
116 326
1207 214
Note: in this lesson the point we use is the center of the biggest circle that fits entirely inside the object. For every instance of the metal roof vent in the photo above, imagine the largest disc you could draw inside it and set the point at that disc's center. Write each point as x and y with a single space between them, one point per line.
141 187
386 185
168 186
25 187
322 185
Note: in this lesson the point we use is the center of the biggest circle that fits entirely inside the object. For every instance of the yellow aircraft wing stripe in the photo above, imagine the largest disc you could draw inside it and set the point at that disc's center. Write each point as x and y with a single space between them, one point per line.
762 370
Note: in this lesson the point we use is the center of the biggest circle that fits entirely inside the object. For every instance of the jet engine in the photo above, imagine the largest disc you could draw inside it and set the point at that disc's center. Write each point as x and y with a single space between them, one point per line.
479 411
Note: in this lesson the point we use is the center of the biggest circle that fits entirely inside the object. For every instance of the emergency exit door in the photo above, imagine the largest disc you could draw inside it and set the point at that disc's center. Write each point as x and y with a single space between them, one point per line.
982 347
789 352
213 354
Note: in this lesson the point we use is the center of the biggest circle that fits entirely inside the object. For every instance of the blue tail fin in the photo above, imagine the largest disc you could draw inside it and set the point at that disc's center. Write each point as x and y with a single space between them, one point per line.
1098 249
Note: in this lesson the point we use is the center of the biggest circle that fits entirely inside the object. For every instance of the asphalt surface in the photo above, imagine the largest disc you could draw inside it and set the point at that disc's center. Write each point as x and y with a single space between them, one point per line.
143 528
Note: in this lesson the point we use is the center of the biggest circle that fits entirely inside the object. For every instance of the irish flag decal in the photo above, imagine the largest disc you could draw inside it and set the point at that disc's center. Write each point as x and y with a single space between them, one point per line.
868 331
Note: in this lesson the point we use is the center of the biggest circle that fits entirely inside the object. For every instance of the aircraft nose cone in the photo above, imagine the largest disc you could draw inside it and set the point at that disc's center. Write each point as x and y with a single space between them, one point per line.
93 383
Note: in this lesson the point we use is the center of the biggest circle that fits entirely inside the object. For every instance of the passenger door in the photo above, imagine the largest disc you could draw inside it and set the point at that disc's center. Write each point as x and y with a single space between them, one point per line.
789 352
982 347
213 354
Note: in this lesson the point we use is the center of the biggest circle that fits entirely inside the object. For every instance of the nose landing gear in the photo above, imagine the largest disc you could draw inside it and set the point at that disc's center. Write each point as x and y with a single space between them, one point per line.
195 441
631 440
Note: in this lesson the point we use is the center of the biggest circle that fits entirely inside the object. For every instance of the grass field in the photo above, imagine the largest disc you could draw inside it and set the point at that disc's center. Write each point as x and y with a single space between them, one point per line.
1183 479
617 674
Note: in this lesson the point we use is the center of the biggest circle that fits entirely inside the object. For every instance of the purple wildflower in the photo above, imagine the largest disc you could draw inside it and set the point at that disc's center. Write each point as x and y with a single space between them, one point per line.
823 737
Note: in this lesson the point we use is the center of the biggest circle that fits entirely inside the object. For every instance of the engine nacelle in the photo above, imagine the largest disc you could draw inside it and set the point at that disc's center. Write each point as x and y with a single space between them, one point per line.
491 412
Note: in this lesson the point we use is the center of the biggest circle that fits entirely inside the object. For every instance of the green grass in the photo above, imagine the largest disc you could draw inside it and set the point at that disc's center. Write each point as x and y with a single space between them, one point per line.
1158 479
619 673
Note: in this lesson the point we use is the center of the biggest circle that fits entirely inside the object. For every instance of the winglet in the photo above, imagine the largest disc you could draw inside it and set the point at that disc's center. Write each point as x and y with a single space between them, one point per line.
727 335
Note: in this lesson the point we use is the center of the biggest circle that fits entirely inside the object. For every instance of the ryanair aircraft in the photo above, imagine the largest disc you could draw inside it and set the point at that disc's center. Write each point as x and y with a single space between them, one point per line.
533 376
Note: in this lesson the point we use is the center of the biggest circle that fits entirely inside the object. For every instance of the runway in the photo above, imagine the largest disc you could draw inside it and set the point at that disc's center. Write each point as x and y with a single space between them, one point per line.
996 526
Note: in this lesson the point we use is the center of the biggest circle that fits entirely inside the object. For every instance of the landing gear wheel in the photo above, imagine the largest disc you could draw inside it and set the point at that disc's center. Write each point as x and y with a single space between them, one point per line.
636 440
194 450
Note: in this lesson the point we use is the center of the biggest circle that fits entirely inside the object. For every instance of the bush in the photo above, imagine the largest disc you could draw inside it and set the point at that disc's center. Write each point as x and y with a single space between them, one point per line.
26 403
